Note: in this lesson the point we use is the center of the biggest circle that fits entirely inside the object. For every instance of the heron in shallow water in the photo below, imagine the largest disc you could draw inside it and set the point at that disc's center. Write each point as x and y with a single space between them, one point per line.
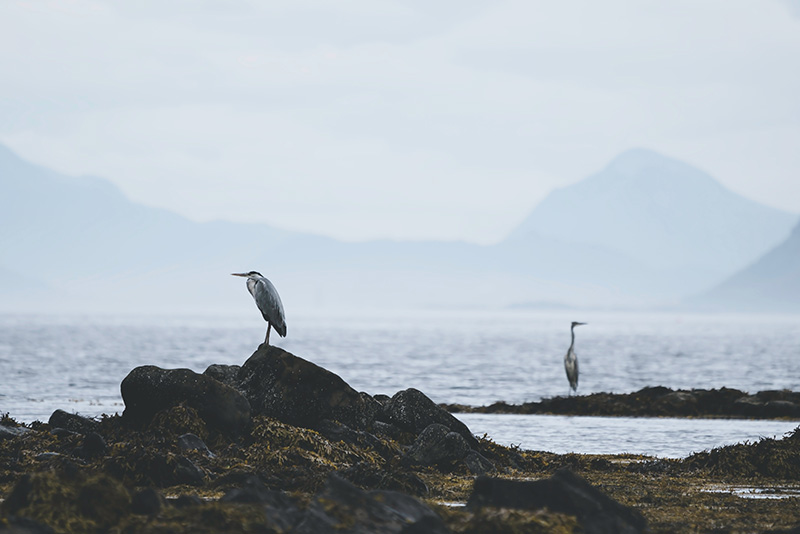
571 361
267 300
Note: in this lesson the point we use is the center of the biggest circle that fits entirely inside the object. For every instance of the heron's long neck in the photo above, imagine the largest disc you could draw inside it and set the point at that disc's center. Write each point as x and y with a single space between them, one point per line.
572 344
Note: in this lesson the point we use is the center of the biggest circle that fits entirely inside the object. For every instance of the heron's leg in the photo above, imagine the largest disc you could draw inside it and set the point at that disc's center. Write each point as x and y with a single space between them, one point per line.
266 340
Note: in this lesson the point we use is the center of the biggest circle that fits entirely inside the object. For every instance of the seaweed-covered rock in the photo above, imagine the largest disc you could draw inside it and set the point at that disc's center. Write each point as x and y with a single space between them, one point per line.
293 390
72 422
149 389
93 446
564 492
438 446
413 411
10 432
342 508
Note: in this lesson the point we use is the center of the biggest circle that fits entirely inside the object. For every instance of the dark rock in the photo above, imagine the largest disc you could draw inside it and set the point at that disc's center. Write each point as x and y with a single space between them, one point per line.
281 385
369 476
191 442
10 432
45 456
342 508
72 422
24 525
149 389
381 399
477 463
184 501
387 429
335 431
147 502
564 492
282 511
188 473
94 446
676 403
62 432
413 412
437 446
224 373
782 408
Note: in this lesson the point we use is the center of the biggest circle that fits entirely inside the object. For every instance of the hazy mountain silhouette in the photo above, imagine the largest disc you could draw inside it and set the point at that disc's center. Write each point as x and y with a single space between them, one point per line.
78 243
664 213
772 283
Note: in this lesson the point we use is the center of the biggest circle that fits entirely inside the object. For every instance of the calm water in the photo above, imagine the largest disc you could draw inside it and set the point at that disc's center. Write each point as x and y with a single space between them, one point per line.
77 363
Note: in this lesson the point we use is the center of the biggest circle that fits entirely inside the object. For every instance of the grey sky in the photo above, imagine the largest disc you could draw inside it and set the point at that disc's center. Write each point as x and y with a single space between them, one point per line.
364 119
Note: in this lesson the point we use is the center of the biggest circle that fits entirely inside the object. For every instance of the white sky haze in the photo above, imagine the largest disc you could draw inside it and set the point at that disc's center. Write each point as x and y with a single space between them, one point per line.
409 120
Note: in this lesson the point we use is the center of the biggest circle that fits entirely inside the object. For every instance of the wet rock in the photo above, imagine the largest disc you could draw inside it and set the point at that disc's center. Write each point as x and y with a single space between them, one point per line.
413 412
438 446
387 429
282 511
184 501
564 492
224 373
676 403
24 525
94 446
281 385
188 473
191 442
335 431
72 422
147 502
477 463
45 456
149 389
342 508
11 432
369 476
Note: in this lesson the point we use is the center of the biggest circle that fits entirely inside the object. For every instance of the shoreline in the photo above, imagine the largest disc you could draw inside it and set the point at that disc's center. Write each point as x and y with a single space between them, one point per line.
250 449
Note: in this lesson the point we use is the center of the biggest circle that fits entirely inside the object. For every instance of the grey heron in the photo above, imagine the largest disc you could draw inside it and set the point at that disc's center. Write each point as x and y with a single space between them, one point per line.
267 300
571 360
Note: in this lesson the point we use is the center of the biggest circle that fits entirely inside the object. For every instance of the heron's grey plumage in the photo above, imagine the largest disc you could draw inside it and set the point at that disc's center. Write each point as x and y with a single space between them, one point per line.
571 360
268 301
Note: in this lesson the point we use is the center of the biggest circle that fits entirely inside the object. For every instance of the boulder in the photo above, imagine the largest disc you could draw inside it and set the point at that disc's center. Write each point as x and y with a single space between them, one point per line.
72 422
564 492
149 389
224 373
412 411
437 446
342 508
10 432
295 391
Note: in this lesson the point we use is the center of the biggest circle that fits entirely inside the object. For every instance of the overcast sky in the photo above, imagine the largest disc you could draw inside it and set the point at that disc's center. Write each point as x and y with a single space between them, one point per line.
425 119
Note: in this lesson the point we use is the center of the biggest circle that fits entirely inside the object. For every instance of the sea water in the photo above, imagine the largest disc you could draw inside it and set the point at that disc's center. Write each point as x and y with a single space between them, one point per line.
76 363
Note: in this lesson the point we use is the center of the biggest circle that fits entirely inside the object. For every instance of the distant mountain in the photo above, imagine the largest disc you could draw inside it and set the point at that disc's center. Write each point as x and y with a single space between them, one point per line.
77 243
770 284
668 215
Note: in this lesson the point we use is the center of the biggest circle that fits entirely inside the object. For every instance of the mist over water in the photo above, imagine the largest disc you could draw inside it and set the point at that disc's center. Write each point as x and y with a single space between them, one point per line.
76 363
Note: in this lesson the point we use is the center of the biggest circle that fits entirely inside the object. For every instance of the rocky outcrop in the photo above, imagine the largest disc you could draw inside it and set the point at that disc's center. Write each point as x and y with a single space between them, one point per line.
564 492
412 411
148 390
342 508
281 385
658 402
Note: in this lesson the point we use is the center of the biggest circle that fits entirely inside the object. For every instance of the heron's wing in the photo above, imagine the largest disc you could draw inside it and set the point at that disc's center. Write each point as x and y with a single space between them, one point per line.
268 301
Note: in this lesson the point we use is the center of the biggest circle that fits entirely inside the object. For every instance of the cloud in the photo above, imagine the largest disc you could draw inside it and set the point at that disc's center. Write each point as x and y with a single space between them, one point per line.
425 119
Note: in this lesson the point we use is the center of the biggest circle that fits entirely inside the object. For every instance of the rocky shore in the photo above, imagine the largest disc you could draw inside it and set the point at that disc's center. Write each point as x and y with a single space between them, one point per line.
282 445
658 402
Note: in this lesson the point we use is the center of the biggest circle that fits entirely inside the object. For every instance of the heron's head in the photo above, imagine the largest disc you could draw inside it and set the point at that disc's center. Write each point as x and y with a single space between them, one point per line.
251 274
576 323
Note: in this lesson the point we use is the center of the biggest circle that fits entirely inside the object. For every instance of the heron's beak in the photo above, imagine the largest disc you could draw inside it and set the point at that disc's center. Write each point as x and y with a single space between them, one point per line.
581 324
239 274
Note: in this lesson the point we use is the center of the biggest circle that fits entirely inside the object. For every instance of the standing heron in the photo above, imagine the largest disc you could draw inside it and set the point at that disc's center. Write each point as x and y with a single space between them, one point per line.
267 300
571 360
